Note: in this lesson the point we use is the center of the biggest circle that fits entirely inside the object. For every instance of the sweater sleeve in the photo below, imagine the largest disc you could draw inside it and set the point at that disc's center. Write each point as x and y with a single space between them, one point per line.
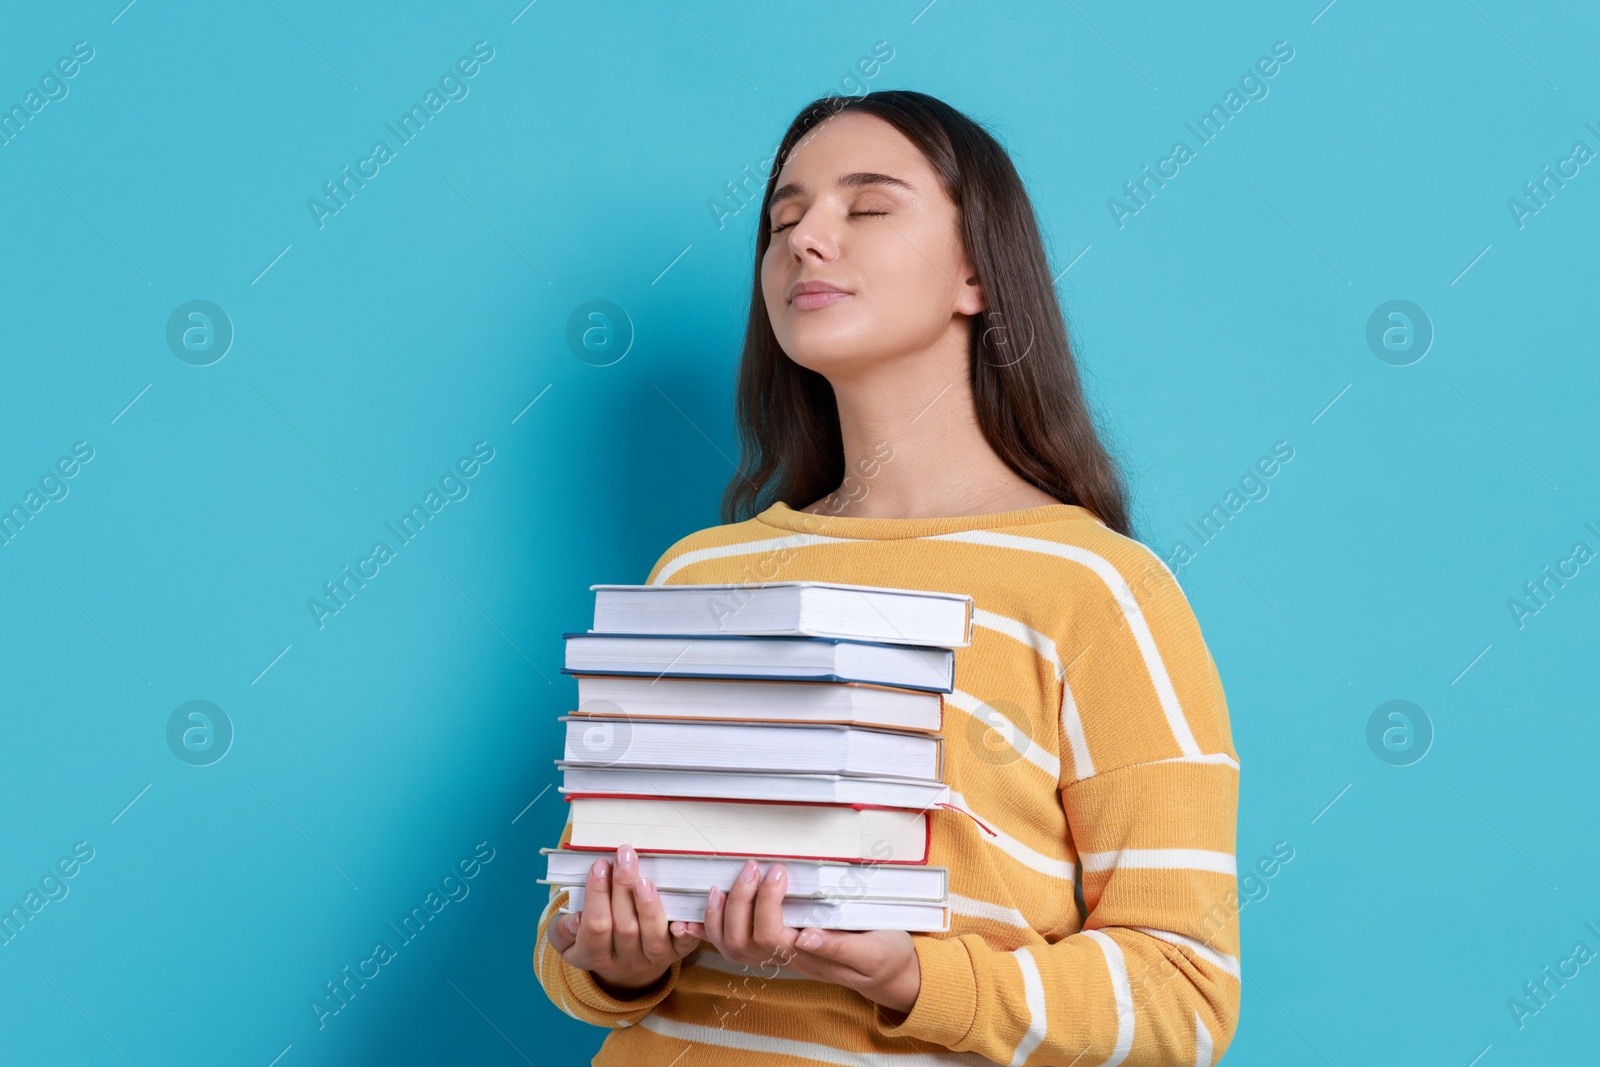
1149 786
573 989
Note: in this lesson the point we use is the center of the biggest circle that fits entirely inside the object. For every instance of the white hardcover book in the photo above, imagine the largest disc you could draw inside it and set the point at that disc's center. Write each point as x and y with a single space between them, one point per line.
693 873
798 608
670 697
753 785
824 659
794 747
857 915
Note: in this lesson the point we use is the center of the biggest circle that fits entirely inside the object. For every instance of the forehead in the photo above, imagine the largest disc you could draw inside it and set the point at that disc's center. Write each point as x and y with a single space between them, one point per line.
846 144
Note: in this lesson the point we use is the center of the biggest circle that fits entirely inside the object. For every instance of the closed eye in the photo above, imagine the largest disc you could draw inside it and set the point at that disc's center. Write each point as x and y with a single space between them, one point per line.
785 226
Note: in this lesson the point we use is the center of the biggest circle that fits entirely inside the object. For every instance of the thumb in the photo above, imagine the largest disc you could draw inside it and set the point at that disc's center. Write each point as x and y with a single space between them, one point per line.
562 930
820 942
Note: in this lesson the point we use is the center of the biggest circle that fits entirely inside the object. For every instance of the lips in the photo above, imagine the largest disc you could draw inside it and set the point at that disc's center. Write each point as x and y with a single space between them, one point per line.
812 301
810 295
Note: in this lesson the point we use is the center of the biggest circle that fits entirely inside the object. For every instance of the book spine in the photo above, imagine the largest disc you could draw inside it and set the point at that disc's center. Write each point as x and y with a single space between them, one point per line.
746 800
927 838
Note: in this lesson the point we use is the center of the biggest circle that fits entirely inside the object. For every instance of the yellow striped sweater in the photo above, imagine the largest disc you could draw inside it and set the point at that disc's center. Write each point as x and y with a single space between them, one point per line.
1099 925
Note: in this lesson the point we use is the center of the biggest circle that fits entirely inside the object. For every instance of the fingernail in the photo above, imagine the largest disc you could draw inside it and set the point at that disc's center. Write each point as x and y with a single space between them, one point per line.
714 898
627 856
749 871
645 890
809 939
600 872
774 873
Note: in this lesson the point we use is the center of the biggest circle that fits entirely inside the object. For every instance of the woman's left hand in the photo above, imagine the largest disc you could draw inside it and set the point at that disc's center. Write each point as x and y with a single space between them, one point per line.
746 926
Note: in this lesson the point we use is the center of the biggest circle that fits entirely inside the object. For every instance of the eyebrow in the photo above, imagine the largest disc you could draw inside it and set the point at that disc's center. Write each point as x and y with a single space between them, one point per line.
857 179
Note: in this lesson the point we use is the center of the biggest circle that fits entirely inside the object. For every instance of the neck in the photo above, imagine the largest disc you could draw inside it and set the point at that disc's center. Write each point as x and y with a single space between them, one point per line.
912 444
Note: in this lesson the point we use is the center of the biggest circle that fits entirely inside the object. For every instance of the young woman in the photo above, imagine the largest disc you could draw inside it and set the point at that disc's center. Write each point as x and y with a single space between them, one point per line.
912 417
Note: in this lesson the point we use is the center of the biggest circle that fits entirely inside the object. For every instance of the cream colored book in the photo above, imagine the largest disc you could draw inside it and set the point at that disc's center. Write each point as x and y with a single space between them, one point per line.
603 823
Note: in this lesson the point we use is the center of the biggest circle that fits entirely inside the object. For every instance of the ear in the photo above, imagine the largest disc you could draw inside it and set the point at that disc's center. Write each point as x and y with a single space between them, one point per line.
970 300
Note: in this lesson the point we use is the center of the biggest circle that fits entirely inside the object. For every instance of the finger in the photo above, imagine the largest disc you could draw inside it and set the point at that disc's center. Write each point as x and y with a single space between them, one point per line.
559 932
842 950
594 929
683 941
737 911
716 903
768 930
653 937
624 911
818 942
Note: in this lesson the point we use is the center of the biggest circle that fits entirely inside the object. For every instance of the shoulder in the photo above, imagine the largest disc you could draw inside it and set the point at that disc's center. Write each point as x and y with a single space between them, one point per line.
1100 587
1083 561
1143 684
707 543
1132 586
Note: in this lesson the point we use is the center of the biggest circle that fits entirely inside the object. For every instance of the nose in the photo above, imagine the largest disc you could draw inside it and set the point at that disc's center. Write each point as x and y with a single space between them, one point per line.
812 238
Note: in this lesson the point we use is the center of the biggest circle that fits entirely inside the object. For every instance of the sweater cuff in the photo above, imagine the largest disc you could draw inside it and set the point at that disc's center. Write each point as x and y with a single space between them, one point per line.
947 1003
586 989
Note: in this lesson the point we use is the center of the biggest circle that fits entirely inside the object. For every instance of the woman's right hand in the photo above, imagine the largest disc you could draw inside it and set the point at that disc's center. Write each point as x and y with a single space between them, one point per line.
621 936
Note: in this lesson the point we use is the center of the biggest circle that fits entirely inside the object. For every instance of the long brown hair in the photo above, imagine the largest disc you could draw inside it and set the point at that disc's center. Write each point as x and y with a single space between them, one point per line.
1024 379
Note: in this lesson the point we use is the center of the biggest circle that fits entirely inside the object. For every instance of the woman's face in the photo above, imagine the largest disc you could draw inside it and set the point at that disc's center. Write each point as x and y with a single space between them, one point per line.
858 208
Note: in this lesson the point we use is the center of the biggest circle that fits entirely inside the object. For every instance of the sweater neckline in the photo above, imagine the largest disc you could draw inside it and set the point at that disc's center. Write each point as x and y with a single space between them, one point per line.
854 527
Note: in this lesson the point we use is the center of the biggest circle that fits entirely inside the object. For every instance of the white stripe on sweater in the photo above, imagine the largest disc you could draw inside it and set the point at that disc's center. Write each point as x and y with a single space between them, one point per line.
1044 645
1055 866
1077 740
1033 994
1202 1043
1030 749
1122 992
744 548
1210 757
983 909
726 1037
1161 859
1124 597
1071 725
1222 960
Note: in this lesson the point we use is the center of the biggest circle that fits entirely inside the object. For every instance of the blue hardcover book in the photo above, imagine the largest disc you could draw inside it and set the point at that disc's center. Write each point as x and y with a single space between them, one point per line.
816 659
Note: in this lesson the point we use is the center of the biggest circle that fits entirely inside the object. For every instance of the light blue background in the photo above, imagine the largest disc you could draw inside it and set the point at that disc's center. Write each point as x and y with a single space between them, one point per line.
1229 314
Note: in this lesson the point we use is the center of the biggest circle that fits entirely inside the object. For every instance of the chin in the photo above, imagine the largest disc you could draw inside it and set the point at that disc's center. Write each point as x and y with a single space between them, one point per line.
828 357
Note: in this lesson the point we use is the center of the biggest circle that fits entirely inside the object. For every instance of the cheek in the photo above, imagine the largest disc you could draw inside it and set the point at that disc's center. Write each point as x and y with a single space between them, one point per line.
904 284
913 261
772 285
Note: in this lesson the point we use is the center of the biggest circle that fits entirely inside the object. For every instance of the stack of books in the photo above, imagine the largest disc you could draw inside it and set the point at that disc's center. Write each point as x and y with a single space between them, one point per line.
795 722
